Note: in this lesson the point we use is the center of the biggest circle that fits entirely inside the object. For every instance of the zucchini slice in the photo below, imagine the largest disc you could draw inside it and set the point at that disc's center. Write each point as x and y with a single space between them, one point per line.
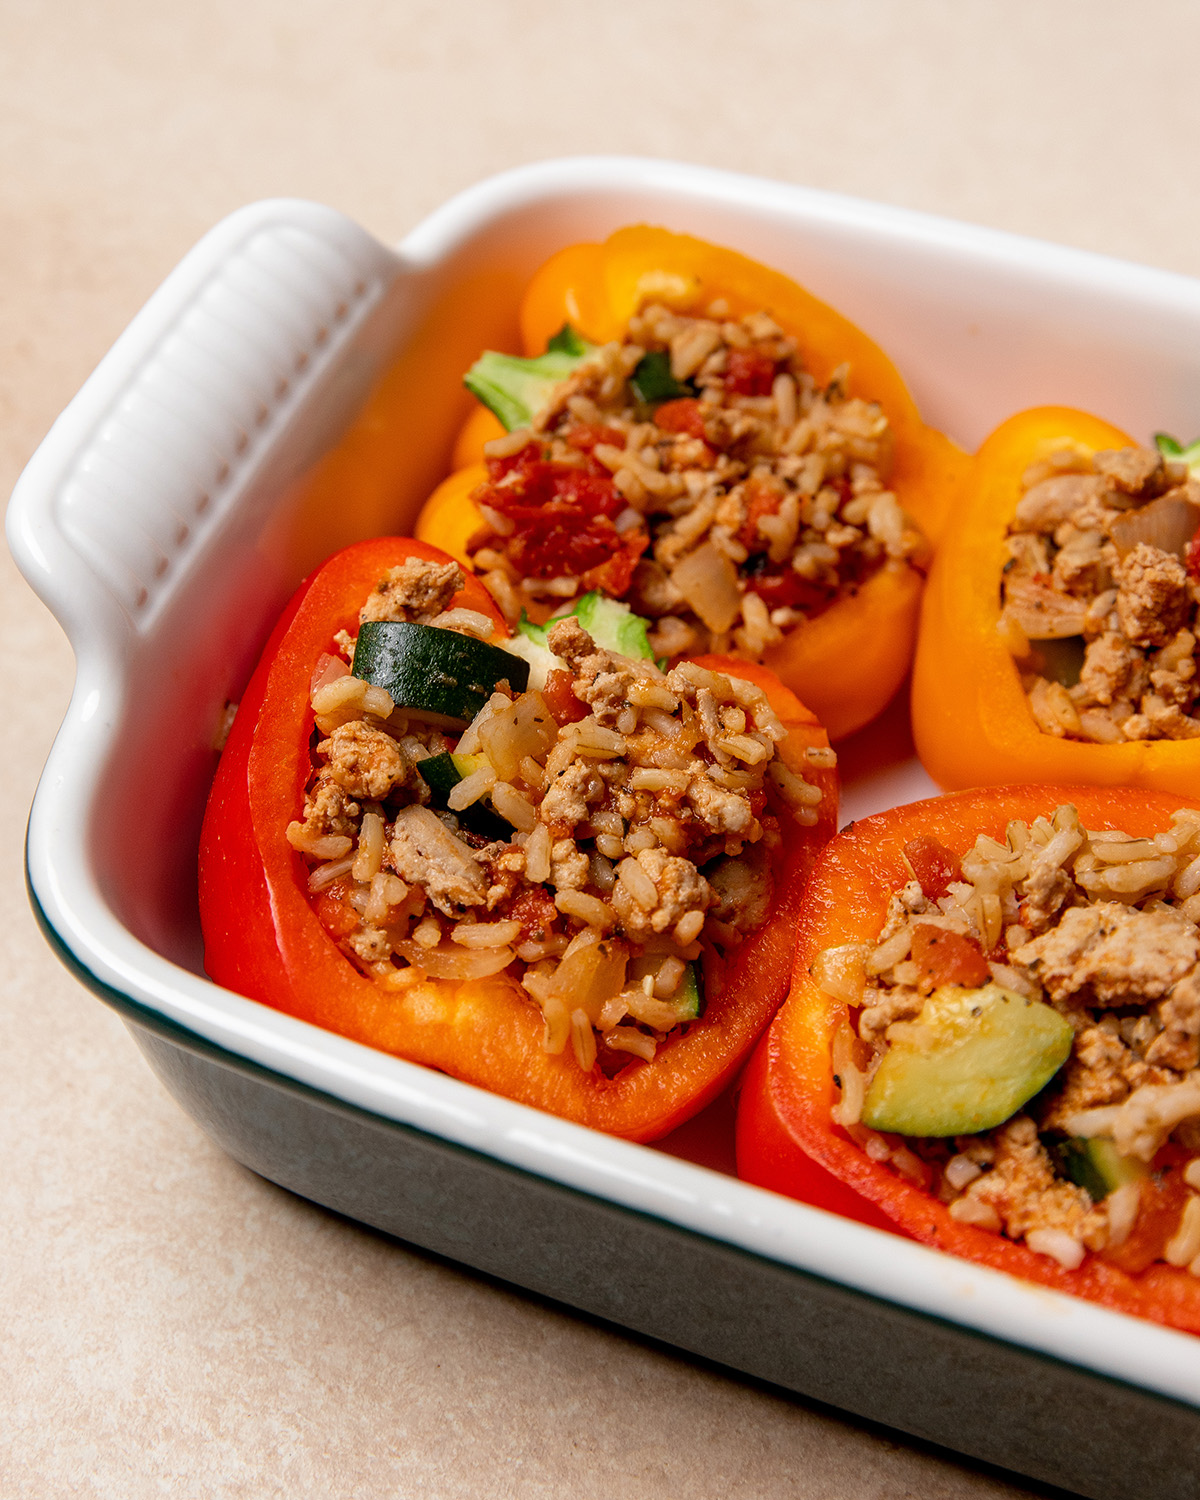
516 389
610 623
1172 449
689 997
438 675
1096 1166
442 774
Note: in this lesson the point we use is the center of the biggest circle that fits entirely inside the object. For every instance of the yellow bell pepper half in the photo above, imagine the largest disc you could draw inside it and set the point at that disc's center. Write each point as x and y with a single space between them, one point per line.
971 718
848 661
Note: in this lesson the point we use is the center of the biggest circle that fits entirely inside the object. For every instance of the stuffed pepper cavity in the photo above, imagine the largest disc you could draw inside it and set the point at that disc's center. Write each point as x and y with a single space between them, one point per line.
579 893
994 1040
689 443
1059 631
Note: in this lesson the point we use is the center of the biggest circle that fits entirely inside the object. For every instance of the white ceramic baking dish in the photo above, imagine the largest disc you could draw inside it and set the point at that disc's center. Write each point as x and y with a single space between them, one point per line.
202 470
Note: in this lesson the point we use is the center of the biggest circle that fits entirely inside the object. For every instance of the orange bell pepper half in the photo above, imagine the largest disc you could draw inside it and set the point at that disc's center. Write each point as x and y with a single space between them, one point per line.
264 939
786 1137
847 662
971 718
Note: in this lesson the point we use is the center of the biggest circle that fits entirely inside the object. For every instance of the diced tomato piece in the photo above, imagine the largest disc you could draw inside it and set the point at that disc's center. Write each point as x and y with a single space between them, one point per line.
683 416
749 372
523 460
783 588
535 910
1191 556
760 500
562 518
559 694
1159 1211
947 958
614 576
555 545
335 915
933 864
585 436
563 486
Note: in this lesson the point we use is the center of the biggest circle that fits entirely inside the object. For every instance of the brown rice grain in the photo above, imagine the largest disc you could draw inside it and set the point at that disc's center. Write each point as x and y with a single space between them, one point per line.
317 845
638 884
513 807
470 789
508 445
629 1039
485 934
325 875
583 1040
370 847
537 855
689 927
587 909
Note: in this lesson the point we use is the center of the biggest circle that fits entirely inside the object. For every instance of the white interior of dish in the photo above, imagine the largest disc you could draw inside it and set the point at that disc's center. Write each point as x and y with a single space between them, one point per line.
187 489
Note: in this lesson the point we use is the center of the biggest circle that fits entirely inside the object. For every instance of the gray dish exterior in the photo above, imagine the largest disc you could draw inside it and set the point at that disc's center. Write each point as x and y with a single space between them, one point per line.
928 1378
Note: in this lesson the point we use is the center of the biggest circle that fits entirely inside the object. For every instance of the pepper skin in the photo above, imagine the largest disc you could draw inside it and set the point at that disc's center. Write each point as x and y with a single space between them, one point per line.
786 1137
971 719
597 287
263 938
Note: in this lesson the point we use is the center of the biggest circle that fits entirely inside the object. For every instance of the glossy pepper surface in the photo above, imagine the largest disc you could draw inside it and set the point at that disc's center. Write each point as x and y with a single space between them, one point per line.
848 661
264 939
971 718
786 1136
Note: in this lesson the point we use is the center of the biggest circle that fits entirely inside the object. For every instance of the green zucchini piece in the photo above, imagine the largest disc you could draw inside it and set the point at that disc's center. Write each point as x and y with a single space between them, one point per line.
1174 450
438 675
689 997
1097 1166
516 389
442 774
612 625
653 382
537 633
975 1057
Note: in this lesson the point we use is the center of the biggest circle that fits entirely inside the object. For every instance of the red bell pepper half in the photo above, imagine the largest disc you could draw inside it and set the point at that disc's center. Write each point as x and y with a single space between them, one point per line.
786 1137
264 940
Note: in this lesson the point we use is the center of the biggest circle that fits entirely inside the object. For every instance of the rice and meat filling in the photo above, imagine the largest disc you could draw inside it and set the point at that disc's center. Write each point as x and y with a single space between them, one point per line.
1101 928
747 503
1100 595
635 831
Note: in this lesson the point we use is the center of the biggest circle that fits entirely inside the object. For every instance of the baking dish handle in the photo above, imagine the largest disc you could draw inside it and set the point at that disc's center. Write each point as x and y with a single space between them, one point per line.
130 490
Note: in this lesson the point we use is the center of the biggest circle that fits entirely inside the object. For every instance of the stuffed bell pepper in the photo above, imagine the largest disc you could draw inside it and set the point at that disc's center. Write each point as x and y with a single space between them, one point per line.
993 1043
1059 627
697 436
574 887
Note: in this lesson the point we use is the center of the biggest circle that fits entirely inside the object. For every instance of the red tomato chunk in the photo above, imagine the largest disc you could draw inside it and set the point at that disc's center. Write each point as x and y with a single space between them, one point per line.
947 958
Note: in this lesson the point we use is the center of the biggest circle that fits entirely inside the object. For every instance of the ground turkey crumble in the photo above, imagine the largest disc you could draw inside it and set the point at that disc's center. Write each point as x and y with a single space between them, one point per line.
1102 927
639 830
1100 595
727 515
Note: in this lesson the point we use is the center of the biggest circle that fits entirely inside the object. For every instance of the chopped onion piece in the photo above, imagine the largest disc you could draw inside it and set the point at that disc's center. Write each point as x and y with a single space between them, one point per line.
1168 523
454 962
707 580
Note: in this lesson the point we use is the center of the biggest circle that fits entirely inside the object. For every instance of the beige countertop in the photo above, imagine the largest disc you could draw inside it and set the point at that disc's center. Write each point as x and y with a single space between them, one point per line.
171 1324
